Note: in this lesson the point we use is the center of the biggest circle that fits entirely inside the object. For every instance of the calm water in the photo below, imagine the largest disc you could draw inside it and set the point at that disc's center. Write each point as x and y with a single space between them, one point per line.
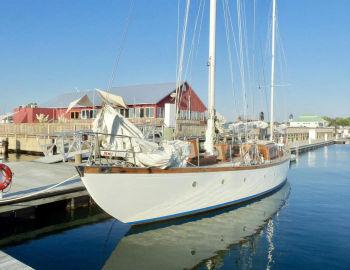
305 225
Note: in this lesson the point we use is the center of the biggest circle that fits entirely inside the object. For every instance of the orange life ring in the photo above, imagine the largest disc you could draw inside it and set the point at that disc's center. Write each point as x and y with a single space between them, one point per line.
5 176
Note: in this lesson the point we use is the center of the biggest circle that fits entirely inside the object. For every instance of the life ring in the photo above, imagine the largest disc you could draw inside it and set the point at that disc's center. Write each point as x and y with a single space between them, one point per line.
5 176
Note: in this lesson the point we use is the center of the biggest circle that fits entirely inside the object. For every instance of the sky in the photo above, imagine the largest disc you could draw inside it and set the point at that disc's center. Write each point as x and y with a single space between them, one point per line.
58 46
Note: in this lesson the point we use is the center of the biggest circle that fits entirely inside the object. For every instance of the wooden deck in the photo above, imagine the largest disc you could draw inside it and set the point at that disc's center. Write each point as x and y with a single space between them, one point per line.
9 263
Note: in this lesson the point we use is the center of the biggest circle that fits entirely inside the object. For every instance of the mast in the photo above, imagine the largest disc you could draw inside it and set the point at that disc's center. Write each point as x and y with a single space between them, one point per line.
209 135
273 39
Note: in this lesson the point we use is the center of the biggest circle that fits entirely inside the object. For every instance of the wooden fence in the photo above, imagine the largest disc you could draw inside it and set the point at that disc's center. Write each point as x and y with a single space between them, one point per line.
28 129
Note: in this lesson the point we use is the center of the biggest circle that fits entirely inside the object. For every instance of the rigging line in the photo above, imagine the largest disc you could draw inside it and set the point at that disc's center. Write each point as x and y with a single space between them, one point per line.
281 46
242 72
122 46
264 58
241 58
250 62
225 7
246 53
200 28
198 39
234 42
190 57
202 3
177 38
283 66
181 60
254 51
267 53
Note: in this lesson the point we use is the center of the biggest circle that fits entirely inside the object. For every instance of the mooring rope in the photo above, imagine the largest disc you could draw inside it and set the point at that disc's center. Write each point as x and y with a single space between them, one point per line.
38 192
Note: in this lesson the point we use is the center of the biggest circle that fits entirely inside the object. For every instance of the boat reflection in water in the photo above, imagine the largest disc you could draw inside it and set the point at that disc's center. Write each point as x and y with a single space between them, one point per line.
201 240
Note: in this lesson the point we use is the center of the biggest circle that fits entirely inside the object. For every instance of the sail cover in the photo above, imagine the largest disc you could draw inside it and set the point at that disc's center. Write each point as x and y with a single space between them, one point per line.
122 137
84 101
112 99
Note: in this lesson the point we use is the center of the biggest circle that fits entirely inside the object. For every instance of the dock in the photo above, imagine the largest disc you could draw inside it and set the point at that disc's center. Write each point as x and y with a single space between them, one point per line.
9 263
34 185
301 148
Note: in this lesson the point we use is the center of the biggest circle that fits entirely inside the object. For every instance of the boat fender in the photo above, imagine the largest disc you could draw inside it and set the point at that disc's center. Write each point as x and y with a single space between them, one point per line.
5 176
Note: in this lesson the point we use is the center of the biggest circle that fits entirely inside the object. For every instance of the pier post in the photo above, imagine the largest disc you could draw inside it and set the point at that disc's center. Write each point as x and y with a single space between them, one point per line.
18 146
4 148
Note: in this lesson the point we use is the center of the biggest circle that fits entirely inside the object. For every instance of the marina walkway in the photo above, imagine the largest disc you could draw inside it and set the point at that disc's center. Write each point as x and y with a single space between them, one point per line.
35 184
9 263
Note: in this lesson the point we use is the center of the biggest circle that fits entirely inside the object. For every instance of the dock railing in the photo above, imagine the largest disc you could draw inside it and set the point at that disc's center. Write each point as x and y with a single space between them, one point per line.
34 129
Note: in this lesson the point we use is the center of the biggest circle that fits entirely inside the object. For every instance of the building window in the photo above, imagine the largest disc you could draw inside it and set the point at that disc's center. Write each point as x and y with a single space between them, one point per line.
131 112
74 115
88 114
137 112
146 112
126 113
160 112
149 112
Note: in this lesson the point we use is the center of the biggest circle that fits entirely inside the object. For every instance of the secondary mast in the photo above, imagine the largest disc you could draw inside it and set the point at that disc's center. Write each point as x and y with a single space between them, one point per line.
273 39
209 135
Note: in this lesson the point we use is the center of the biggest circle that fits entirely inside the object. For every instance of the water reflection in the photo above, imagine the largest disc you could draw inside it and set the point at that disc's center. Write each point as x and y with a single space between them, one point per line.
325 156
202 241
311 159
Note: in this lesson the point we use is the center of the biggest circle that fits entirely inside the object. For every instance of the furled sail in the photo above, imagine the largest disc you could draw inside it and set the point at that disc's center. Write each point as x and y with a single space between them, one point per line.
124 138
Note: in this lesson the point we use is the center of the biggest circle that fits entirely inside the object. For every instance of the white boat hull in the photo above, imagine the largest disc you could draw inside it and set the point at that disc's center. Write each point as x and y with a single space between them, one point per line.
173 246
147 197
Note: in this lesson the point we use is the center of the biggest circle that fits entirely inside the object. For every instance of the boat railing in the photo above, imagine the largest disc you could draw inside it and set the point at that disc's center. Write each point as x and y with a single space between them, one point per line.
112 155
87 143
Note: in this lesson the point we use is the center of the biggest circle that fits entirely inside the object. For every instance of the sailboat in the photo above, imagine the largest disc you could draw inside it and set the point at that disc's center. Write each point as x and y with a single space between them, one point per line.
137 192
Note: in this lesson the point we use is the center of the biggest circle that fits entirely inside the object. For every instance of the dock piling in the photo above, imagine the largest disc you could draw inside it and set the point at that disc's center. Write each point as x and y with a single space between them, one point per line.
4 148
